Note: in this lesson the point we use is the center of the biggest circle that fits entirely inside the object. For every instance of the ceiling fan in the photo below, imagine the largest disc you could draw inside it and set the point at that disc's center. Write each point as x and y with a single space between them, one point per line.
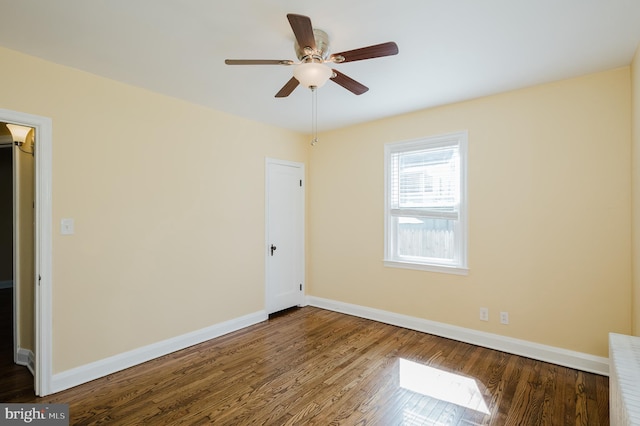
312 49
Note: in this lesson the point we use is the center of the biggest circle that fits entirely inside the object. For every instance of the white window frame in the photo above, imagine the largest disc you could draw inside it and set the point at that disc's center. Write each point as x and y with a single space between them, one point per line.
391 257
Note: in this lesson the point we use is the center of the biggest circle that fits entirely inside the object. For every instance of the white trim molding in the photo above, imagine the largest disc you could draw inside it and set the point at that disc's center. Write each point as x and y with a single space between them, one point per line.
86 373
551 354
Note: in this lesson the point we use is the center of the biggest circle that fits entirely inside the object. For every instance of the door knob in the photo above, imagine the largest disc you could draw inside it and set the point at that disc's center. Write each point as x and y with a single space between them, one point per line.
273 248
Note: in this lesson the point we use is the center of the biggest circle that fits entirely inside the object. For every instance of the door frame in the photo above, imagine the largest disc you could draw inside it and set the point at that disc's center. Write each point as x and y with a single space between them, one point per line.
268 162
42 245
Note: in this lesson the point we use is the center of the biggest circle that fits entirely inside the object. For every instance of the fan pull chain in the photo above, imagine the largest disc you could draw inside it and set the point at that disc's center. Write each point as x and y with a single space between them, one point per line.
314 115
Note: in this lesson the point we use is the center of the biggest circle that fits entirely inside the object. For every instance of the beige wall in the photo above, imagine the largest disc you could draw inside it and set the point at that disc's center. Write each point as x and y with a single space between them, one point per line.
635 125
168 202
549 215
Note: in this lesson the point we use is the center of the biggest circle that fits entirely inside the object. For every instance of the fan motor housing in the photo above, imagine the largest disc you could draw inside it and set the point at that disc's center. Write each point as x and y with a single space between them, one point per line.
322 48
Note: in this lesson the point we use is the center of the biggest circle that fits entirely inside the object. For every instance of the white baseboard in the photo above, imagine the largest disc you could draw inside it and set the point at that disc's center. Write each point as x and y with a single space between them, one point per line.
86 373
551 354
6 284
25 357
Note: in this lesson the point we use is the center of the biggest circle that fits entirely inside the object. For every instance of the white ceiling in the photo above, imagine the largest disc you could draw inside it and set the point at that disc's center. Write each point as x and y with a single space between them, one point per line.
450 50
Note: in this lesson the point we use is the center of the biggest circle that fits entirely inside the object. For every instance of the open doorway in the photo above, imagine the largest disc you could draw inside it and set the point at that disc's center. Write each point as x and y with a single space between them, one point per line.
42 228
17 256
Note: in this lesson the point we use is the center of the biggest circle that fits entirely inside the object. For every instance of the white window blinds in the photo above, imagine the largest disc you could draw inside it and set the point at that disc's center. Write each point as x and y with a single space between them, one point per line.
426 182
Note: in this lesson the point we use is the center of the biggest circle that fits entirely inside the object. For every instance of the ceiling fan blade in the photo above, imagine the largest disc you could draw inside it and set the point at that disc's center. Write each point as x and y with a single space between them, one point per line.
370 52
258 62
287 88
302 29
349 83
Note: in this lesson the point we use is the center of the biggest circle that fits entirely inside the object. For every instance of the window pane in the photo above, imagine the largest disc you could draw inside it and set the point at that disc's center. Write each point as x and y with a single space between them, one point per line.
426 238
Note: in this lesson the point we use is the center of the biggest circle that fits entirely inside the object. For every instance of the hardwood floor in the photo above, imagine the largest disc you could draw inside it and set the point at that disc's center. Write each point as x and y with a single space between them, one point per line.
315 367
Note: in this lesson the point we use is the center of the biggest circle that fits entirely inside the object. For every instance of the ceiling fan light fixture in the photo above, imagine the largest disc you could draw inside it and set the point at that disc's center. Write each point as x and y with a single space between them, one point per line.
312 74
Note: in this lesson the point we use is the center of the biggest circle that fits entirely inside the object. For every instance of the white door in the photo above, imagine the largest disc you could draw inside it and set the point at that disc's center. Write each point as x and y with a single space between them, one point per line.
284 235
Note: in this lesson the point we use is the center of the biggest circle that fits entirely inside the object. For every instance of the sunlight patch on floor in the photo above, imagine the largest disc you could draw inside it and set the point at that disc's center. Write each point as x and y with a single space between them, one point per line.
442 385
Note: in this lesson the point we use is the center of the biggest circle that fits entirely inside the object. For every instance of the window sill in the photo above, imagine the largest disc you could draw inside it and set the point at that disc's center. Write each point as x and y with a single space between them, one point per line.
455 270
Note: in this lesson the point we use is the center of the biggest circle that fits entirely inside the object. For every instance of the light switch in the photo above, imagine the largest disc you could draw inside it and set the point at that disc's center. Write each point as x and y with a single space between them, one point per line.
67 227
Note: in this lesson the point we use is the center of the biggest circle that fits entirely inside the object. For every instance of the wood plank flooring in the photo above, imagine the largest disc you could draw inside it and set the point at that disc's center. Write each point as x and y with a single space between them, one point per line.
309 366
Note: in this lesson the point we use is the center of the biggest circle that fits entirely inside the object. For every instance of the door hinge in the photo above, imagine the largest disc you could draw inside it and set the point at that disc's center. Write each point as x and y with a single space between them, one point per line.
300 287
39 279
300 182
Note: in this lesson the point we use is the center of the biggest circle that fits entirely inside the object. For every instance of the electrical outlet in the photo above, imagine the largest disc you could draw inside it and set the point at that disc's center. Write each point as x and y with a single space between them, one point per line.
484 314
504 317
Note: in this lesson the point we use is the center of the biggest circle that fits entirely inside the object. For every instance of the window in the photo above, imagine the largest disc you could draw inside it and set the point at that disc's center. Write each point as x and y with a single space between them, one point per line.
425 204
